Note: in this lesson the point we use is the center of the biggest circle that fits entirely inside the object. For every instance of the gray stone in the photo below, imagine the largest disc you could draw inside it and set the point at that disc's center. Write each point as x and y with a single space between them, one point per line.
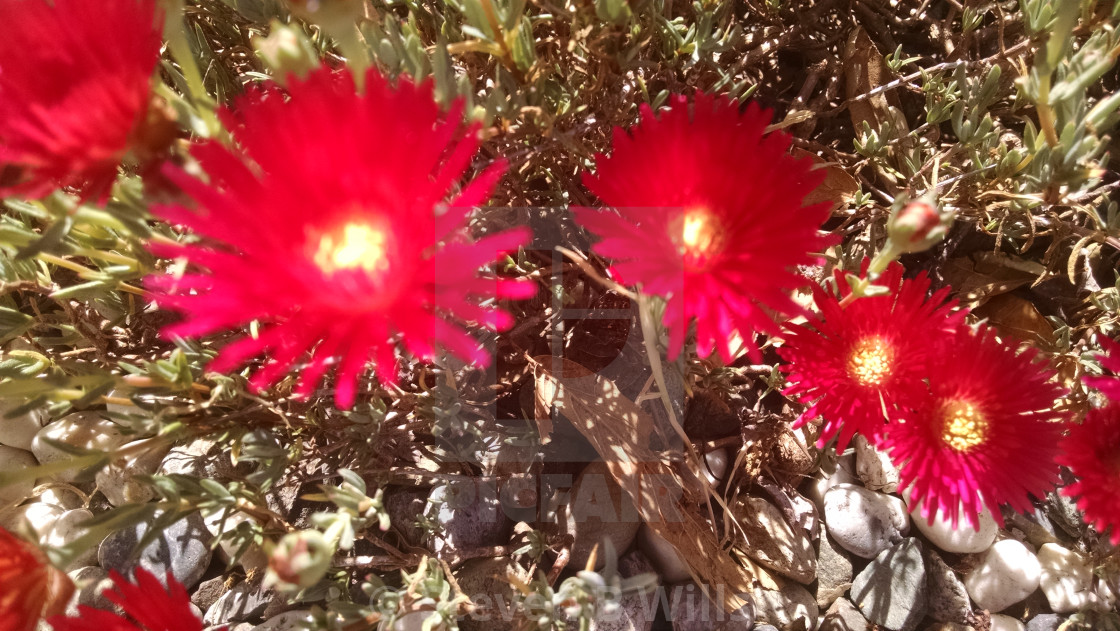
1045 622
469 514
90 583
891 590
949 626
81 430
404 505
773 543
11 460
692 610
208 592
180 548
633 613
598 509
486 583
19 430
843 616
287 621
202 458
874 467
68 530
765 627
864 522
664 555
118 480
247 599
948 599
834 571
792 608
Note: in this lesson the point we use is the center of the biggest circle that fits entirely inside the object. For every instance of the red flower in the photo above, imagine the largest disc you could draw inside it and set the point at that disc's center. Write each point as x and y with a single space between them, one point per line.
75 79
709 215
28 585
1092 451
147 607
331 228
988 432
854 363
1109 385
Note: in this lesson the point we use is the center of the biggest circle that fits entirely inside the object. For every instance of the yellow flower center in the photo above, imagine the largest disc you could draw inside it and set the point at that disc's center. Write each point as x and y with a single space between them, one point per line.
698 237
871 361
963 426
354 246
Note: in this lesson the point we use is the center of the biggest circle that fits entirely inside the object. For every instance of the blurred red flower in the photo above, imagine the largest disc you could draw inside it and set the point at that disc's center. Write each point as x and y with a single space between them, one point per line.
854 363
29 586
146 604
1092 451
709 215
75 80
988 433
329 226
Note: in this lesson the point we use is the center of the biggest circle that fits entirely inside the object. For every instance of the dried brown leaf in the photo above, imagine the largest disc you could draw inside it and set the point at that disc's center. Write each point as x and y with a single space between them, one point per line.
621 433
838 187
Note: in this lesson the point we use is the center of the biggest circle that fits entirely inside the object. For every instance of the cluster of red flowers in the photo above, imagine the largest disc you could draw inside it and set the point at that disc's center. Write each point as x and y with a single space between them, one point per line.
335 222
969 419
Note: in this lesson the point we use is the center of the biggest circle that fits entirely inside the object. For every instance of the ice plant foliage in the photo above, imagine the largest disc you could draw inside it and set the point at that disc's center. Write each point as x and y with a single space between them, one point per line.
146 604
1110 360
332 226
1092 451
857 361
707 212
988 433
75 80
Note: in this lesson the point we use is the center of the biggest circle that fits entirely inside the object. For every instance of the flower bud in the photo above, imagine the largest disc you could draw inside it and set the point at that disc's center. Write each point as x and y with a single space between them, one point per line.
918 225
298 561
286 51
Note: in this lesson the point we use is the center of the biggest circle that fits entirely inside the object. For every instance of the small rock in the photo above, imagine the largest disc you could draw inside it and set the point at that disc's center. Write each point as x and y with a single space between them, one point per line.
253 558
469 515
963 539
834 571
12 459
246 600
949 626
19 431
208 592
1045 622
843 616
486 583
41 517
202 458
773 543
664 556
765 627
91 583
891 590
82 430
692 610
1006 623
404 505
118 480
598 509
792 608
948 599
180 548
864 522
794 453
1008 572
63 498
874 467
832 473
69 529
1066 578
633 613
294 620
716 463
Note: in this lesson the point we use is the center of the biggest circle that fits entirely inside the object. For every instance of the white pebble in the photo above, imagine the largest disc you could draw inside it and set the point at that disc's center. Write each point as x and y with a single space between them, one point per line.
1007 573
1067 580
68 529
664 556
961 540
84 430
18 431
1001 622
